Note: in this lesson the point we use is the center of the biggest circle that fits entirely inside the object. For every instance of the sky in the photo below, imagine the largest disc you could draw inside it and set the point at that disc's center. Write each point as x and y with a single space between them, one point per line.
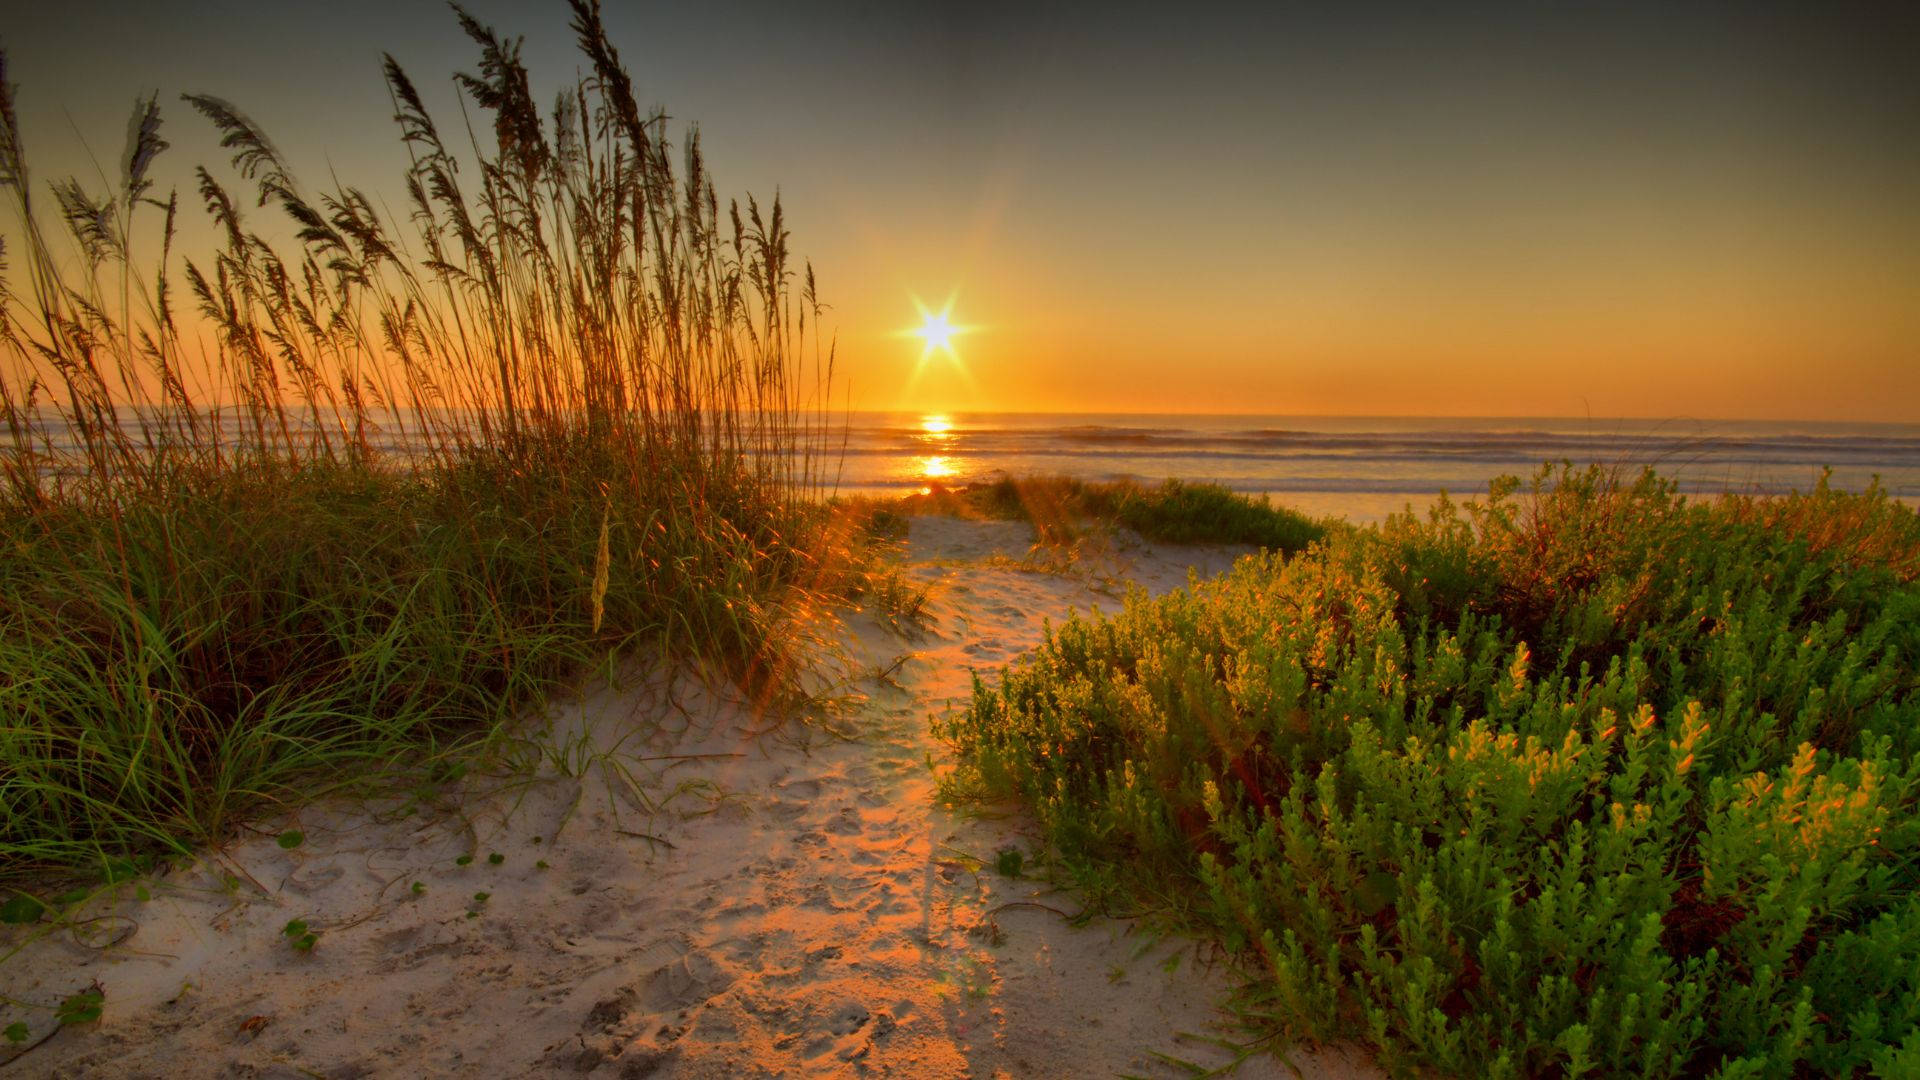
1672 210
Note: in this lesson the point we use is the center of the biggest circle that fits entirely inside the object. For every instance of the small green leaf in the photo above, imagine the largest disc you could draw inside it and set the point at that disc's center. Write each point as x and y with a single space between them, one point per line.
419 888
481 897
463 860
16 1032
496 859
299 936
140 891
1009 862
80 1008
291 839
71 896
21 909
540 865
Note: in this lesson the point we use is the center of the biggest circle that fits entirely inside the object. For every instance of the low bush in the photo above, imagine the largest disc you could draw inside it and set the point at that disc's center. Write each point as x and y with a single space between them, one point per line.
1175 511
1586 780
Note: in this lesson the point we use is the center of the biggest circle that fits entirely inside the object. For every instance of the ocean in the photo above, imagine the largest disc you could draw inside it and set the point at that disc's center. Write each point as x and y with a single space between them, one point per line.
1364 468
1361 468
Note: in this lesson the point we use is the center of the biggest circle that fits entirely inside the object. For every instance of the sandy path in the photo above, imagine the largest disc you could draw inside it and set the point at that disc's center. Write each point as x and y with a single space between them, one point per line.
796 907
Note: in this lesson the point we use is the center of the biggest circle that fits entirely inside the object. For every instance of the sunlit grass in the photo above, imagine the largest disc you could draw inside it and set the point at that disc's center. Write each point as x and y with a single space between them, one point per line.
420 478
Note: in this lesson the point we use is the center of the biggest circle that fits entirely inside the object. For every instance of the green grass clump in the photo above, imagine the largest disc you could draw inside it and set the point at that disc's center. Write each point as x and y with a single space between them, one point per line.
1183 513
1590 781
1175 511
416 478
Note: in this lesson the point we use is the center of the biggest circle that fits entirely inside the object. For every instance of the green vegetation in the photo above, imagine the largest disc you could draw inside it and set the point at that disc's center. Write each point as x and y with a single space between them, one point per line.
1587 780
80 1008
411 483
299 938
1174 512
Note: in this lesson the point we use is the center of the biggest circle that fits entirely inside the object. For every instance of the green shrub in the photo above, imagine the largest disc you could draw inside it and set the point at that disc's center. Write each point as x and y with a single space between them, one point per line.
1588 781
1175 511
1183 513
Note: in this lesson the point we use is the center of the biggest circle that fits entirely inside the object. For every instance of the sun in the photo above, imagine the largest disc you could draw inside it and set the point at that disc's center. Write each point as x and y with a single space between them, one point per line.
939 335
936 331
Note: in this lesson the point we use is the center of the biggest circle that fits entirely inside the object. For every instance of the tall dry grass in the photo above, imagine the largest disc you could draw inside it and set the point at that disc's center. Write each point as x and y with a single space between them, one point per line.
419 471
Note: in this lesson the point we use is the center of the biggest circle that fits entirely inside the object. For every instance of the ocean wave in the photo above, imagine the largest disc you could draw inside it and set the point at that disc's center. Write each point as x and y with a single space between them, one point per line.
1412 486
1631 447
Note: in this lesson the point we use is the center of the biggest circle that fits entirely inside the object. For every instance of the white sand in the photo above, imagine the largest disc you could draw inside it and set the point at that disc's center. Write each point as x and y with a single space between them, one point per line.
797 907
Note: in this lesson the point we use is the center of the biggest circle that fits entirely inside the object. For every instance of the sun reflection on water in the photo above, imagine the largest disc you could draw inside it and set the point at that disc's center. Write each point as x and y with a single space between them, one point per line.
936 441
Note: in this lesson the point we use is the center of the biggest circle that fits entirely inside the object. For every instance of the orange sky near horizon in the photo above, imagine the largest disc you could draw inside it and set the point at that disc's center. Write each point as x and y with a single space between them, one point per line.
1632 212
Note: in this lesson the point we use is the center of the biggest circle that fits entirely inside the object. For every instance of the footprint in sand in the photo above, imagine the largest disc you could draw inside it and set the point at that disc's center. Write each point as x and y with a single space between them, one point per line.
821 896
846 822
847 1018
677 977
312 878
801 789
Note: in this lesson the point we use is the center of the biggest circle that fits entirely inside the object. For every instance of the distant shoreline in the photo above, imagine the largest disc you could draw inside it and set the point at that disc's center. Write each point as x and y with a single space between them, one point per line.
1364 468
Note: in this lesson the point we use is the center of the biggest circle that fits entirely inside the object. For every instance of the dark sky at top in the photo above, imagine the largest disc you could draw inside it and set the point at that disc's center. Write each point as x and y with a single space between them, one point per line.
1641 208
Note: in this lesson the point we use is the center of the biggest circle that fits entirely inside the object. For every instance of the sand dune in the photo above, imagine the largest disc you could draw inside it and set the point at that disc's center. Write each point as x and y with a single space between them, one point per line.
712 900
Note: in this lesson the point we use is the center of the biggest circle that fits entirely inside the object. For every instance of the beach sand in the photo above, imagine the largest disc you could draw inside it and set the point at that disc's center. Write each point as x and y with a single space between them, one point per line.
710 899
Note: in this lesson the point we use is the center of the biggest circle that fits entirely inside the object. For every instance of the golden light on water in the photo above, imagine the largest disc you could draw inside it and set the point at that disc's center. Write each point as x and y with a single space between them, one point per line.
936 433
